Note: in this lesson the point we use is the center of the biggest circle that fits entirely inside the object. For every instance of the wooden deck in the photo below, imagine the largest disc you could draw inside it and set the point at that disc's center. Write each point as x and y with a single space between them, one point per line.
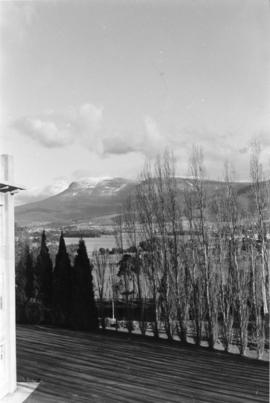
113 368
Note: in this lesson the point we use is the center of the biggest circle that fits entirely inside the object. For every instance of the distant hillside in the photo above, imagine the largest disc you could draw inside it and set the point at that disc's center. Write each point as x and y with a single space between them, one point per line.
84 201
81 201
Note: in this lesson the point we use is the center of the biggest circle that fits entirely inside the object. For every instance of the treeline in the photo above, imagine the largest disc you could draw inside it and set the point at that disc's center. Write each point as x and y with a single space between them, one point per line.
61 295
207 278
91 233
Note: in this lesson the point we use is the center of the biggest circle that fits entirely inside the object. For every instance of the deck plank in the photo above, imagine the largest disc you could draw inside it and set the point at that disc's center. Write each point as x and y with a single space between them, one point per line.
110 367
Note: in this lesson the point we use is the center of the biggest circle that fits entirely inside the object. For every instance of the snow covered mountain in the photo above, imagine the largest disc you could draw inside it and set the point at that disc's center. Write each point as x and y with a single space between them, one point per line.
99 199
82 200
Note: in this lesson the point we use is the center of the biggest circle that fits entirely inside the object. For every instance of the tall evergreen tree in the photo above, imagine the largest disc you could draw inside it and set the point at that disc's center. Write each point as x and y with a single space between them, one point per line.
84 314
20 284
43 271
62 285
24 281
29 274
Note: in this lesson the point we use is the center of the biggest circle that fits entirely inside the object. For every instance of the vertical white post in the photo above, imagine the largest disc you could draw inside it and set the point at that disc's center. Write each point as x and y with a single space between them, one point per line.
7 261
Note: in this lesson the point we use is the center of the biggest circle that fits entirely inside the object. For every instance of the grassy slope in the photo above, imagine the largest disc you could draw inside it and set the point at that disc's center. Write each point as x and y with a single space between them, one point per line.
110 367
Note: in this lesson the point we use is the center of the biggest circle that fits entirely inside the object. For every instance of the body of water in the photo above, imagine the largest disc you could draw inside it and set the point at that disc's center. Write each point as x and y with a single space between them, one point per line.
104 241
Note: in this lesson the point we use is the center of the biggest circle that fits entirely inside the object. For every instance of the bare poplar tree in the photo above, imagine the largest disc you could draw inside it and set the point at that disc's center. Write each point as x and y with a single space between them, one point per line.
259 189
100 260
177 263
198 174
119 231
162 173
191 249
254 248
145 207
259 247
131 224
243 294
226 217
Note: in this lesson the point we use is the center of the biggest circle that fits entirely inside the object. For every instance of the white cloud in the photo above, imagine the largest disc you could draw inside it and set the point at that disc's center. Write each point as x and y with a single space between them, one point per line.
148 141
84 125
151 128
57 130
45 132
121 143
153 141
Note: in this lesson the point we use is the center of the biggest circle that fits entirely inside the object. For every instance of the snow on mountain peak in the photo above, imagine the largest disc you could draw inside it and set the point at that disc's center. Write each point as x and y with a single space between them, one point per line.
104 185
87 182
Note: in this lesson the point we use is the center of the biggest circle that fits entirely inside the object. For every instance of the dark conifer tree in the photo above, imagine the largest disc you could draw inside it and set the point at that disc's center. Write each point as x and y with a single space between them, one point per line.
20 284
84 314
24 281
62 285
43 271
29 274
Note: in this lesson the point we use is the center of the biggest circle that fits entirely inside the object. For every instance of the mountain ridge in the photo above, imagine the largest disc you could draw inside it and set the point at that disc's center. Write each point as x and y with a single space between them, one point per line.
84 200
77 202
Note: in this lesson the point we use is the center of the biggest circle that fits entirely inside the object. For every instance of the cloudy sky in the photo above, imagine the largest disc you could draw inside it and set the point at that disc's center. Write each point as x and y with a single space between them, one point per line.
93 88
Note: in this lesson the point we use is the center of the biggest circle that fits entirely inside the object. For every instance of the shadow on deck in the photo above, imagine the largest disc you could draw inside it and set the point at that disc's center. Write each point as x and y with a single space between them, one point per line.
114 368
